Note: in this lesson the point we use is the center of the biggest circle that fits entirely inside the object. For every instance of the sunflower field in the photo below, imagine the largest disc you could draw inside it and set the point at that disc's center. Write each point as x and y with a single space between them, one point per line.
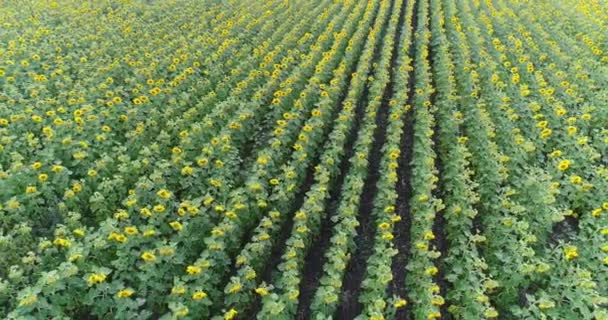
314 159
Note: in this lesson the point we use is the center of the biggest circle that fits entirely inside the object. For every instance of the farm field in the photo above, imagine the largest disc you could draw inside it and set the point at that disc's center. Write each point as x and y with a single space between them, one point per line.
314 159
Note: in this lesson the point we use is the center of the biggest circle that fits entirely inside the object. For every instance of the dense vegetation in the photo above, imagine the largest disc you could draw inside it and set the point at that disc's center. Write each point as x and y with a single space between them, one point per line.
318 159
